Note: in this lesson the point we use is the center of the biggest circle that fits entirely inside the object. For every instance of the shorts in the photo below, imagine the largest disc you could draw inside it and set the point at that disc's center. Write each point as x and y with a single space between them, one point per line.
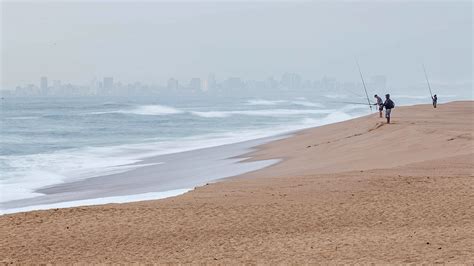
380 108
387 113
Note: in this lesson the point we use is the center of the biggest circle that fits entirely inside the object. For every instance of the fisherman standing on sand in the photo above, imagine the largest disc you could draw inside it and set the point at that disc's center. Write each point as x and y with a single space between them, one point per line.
389 105
435 100
379 104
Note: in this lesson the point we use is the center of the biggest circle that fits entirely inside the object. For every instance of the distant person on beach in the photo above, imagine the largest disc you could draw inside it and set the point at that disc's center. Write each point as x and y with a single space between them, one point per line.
379 104
435 100
389 105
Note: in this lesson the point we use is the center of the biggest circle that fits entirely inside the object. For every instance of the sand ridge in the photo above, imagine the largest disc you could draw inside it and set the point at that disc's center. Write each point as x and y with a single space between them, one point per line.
353 192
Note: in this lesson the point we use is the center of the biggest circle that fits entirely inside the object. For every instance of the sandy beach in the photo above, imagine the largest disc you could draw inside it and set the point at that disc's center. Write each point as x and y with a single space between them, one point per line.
359 191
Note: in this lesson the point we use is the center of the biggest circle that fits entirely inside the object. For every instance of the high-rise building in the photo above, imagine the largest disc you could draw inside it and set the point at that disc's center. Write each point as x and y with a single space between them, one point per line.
56 88
173 84
271 84
56 83
195 84
205 85
108 83
211 81
44 85
328 84
291 81
233 83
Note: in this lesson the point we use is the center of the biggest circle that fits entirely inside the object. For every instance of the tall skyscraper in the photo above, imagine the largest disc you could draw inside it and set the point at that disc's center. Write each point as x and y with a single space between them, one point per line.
44 85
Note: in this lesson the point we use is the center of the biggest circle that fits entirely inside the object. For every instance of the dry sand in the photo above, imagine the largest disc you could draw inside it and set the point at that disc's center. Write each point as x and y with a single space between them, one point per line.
353 192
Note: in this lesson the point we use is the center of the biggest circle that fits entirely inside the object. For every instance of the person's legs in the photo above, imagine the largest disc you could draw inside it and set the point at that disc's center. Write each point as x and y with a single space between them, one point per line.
387 115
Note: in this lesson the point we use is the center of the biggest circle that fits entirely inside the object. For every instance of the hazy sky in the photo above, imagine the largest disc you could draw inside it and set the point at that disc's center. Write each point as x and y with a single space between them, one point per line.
152 41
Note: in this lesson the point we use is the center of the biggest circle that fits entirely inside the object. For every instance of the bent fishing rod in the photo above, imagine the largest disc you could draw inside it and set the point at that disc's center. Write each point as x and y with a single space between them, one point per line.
427 81
363 83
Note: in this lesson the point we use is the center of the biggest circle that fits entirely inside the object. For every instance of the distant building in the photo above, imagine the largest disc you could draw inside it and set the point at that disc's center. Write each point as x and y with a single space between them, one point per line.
29 90
56 88
233 83
195 84
108 85
94 86
271 84
56 83
211 81
44 85
173 84
291 81
205 85
328 84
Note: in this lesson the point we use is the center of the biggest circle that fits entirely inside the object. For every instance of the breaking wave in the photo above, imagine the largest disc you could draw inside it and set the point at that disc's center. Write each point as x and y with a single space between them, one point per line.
307 104
154 110
263 102
145 110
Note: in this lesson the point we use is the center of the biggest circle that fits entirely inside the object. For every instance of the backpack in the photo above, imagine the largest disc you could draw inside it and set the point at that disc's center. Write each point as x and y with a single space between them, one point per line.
390 104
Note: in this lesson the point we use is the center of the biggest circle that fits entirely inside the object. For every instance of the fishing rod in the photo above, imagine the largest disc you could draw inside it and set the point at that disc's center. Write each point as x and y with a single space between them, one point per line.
427 81
363 83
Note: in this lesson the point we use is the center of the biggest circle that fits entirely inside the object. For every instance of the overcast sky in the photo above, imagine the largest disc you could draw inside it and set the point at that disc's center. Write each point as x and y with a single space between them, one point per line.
152 41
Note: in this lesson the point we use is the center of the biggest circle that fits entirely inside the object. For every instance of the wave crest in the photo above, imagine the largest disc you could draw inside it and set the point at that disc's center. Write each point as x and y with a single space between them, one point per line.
263 102
144 110
154 110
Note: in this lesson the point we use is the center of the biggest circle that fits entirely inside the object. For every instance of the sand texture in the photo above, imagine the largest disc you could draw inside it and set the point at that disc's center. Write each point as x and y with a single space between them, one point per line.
359 191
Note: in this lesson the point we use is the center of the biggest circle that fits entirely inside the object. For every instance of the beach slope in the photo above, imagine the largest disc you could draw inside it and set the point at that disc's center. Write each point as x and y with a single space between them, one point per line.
358 191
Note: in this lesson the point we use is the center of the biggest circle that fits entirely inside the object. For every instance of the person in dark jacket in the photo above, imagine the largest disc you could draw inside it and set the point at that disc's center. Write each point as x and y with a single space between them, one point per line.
435 100
379 104
389 105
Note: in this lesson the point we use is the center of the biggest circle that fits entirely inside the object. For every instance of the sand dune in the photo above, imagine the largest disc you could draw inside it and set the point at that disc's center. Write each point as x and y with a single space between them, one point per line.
353 192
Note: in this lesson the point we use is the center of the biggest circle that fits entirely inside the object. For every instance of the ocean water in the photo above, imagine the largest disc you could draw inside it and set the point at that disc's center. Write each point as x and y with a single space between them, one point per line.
49 141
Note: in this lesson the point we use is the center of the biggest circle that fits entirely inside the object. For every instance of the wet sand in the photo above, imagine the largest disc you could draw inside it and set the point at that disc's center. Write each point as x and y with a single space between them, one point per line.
153 177
358 191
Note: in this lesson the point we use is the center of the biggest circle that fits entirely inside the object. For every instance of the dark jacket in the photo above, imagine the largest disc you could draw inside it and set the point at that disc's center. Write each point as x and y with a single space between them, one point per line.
389 104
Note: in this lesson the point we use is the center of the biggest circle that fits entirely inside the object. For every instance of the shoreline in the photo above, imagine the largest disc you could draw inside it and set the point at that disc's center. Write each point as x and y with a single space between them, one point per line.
224 161
248 151
354 191
44 201
58 195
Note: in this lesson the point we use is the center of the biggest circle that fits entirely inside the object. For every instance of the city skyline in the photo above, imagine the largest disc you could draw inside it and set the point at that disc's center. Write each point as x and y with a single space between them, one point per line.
151 42
209 84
